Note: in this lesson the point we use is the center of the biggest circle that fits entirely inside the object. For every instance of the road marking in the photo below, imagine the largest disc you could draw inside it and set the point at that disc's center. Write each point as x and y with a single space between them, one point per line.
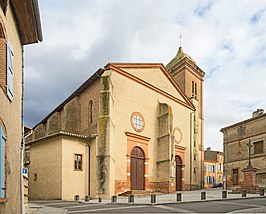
57 203
43 201
105 209
249 205
175 209
84 205
250 210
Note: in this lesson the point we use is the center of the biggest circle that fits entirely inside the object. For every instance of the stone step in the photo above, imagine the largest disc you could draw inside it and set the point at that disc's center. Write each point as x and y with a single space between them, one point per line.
139 193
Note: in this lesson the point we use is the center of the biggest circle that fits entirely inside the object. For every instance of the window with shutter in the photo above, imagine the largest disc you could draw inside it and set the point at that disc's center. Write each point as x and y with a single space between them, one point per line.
2 63
2 162
235 176
205 179
258 147
9 71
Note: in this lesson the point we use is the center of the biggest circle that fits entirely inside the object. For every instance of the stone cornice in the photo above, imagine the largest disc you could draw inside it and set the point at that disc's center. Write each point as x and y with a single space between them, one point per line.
62 133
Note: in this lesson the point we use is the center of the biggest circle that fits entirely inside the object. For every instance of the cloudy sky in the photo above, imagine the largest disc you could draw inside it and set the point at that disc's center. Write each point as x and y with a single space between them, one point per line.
226 38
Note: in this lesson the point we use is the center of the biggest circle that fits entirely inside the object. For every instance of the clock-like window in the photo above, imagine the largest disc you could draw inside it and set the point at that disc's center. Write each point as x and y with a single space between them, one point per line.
177 135
137 121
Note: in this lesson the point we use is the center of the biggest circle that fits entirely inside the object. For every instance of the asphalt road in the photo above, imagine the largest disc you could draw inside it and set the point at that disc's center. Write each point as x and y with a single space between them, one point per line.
246 205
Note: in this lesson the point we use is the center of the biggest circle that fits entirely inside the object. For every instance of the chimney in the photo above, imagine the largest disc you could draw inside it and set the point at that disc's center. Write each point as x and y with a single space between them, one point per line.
258 112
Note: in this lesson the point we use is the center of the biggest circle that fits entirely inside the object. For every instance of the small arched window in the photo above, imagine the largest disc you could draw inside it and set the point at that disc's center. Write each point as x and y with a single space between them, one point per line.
90 112
194 89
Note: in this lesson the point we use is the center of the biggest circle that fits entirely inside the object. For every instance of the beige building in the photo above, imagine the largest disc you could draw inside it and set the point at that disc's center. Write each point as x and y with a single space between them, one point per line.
236 150
213 168
16 30
130 126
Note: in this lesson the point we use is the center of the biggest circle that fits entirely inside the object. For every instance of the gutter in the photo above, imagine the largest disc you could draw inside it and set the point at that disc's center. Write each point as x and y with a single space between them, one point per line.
37 19
191 150
22 145
89 170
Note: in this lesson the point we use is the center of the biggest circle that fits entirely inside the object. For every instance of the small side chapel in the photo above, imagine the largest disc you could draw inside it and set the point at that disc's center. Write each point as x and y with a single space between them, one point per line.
129 127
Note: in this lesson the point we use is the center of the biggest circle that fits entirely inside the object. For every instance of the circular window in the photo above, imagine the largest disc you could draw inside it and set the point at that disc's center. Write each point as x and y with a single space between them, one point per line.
177 135
137 121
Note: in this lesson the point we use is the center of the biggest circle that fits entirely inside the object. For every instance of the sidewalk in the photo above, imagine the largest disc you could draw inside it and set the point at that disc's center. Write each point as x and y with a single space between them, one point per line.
186 196
33 208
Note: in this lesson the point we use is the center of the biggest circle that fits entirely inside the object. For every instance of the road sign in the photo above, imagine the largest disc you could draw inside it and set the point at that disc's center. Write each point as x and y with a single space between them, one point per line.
25 171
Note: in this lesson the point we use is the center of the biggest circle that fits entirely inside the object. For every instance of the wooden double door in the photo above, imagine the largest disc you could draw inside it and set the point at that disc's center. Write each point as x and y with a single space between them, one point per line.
137 169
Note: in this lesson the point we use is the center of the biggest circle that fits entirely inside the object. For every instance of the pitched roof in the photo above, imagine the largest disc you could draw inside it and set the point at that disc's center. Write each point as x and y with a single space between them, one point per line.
28 20
83 87
179 56
182 56
62 133
242 122
119 67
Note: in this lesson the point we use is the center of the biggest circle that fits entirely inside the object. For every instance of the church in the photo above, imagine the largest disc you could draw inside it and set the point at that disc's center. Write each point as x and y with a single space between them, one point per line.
129 127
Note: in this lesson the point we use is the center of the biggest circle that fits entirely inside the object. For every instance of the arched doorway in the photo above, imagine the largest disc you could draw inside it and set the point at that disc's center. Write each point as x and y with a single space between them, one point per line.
137 169
178 172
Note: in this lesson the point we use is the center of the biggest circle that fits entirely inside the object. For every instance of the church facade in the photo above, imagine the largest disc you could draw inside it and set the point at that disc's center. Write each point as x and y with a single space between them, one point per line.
130 126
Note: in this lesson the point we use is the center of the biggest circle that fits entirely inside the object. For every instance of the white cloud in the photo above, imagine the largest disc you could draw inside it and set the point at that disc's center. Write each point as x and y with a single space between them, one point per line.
226 38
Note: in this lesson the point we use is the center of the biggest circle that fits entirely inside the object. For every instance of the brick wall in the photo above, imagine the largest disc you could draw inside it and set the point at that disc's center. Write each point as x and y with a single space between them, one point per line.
90 94
74 116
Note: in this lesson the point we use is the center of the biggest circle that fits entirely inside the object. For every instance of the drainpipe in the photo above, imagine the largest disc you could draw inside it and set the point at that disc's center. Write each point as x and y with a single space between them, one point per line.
22 147
89 170
190 177
226 158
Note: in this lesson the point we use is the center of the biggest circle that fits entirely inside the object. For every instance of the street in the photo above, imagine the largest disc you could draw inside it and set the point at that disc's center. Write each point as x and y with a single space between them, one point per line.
245 205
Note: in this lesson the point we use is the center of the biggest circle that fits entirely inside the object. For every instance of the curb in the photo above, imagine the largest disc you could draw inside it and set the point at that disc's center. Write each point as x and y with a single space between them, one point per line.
176 202
38 209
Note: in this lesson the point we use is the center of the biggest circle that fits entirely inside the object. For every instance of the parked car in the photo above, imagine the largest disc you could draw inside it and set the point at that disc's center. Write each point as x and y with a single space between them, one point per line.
217 185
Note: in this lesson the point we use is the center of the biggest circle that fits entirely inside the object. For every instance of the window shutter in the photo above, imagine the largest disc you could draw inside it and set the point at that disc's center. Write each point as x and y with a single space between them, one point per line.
2 63
2 163
9 70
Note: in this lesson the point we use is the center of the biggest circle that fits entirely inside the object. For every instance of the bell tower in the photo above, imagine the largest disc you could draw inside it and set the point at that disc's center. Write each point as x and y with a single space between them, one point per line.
189 77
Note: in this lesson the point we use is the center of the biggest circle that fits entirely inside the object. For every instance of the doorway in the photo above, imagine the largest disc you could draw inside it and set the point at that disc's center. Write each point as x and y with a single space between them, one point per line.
178 173
137 169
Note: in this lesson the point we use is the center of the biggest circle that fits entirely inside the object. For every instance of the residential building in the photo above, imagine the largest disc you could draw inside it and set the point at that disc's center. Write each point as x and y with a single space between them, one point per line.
19 26
129 127
213 168
243 140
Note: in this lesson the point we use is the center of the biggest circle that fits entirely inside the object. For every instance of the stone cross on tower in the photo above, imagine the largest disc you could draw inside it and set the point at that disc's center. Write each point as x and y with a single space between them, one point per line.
249 154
